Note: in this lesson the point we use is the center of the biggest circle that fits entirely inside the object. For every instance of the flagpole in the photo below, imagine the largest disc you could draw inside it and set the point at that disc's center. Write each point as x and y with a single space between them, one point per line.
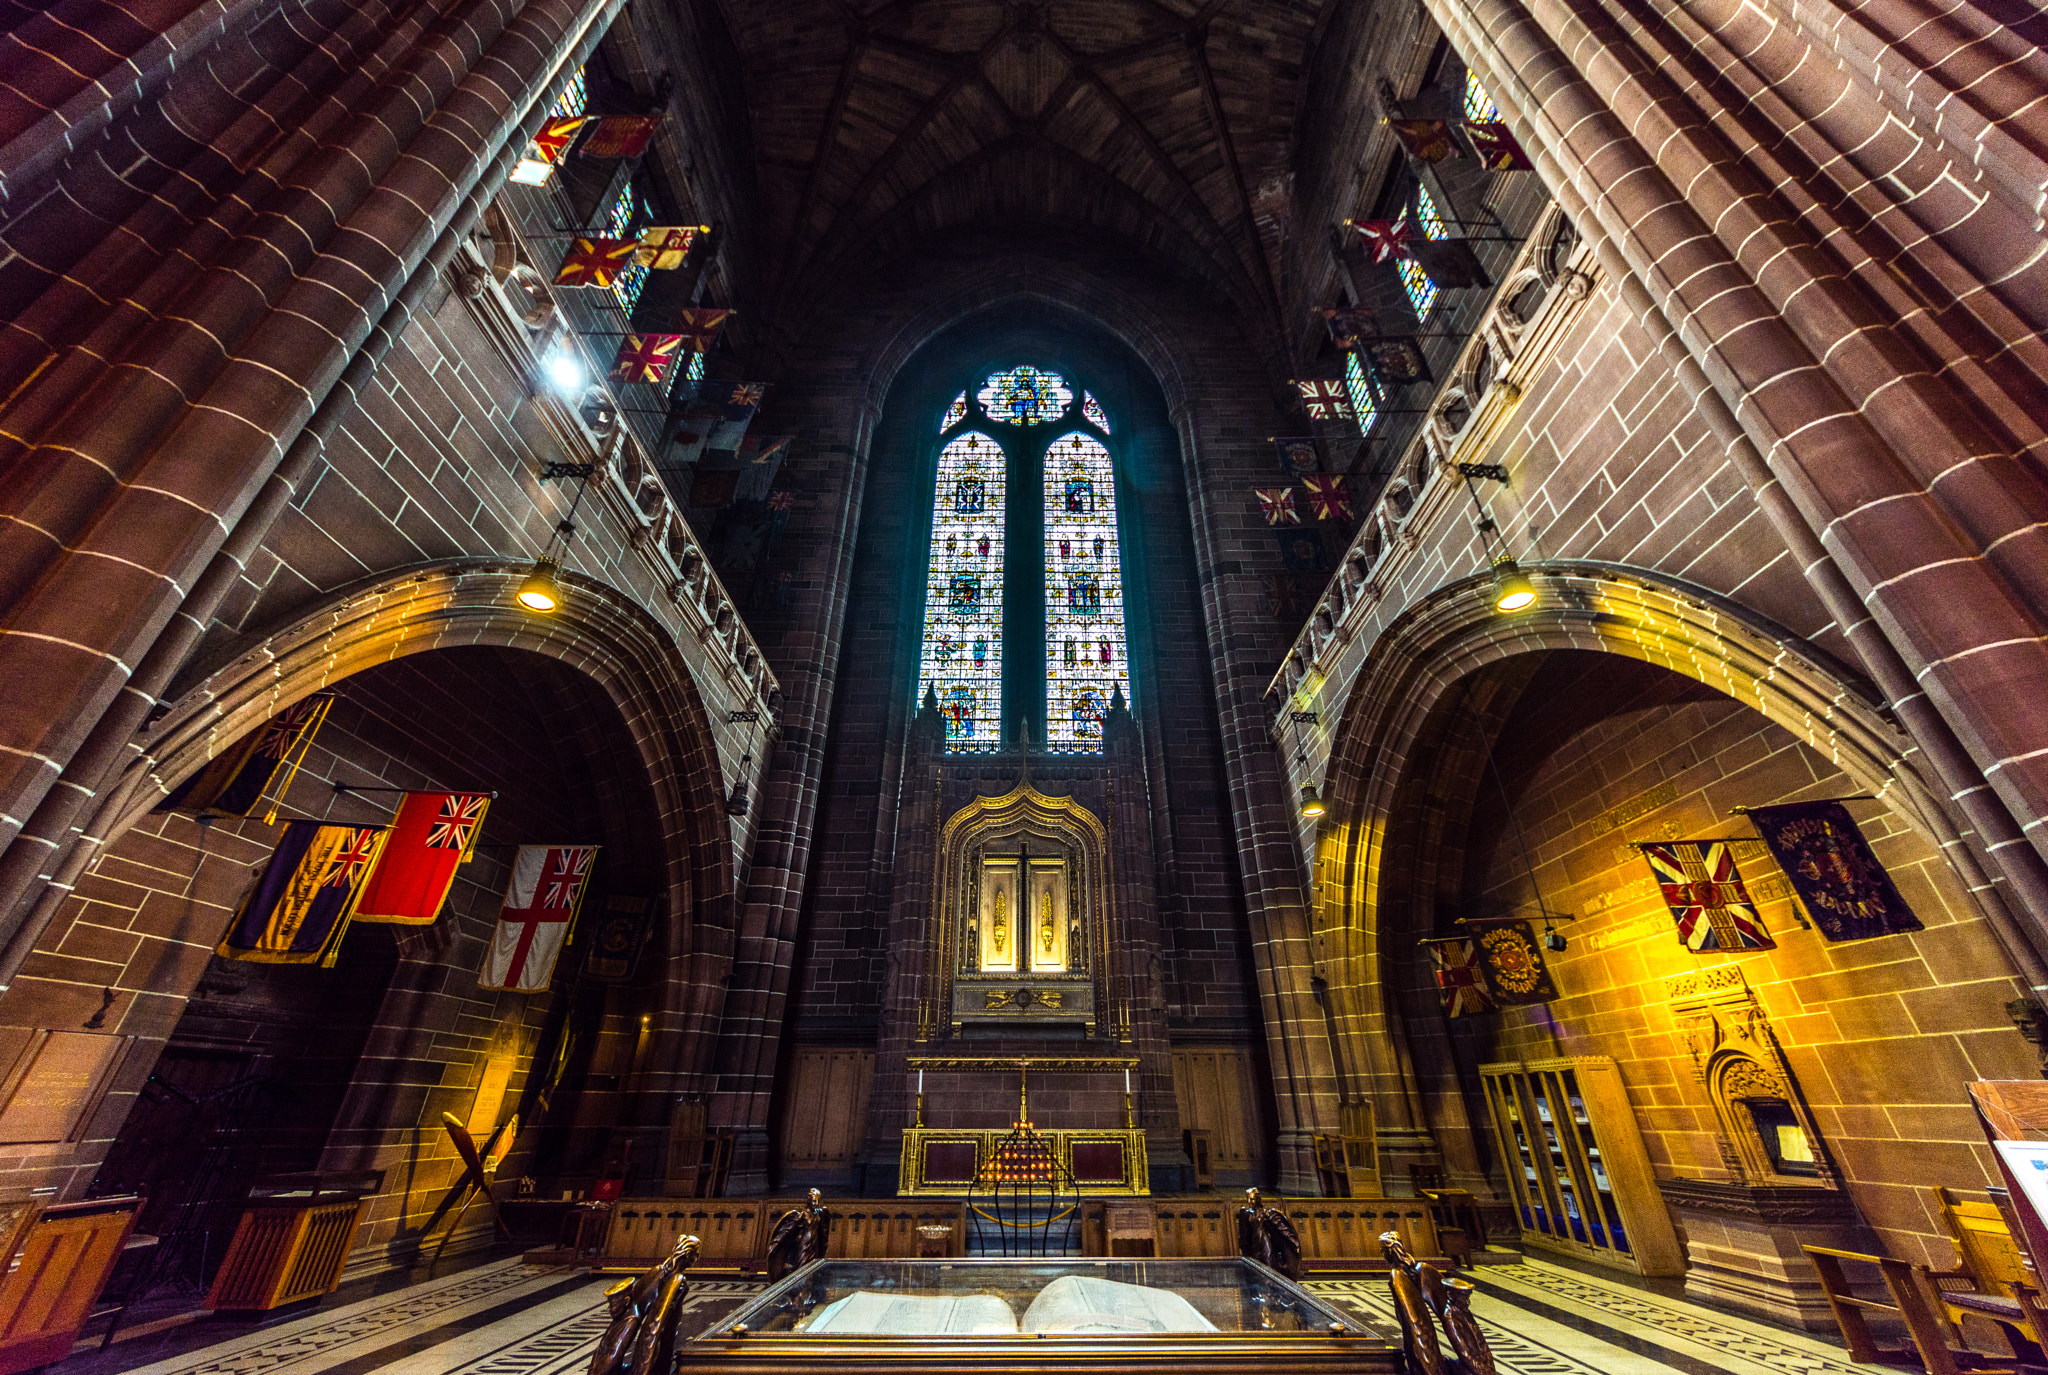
365 788
1812 802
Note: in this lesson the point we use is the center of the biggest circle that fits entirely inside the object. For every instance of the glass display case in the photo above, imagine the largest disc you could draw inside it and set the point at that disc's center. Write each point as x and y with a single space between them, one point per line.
1221 1315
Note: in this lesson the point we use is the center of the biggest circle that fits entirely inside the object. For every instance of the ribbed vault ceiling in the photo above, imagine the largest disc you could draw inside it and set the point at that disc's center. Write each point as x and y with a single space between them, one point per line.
1167 123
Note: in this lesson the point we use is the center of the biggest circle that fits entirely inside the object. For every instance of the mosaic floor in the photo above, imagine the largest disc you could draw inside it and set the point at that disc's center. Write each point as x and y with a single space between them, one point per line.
505 1318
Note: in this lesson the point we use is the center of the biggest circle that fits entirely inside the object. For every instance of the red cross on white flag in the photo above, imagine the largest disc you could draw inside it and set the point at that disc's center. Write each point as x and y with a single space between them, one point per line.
540 908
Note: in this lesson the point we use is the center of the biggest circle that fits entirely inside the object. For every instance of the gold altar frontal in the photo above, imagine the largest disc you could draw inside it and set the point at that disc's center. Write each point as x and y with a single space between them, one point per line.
949 1160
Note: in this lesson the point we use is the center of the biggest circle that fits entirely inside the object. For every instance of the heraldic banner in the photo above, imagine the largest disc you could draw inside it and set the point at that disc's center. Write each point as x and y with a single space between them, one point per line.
615 944
299 908
432 835
1512 965
1824 854
540 908
235 782
1458 978
1705 893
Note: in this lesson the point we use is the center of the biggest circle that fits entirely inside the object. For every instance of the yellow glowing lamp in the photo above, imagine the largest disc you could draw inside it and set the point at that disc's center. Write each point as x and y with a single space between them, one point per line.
1311 802
539 593
1512 591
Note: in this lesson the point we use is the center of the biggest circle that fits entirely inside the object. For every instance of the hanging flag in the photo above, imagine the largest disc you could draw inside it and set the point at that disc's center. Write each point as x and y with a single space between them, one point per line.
1326 497
432 835
693 431
1385 240
1278 505
1496 146
620 136
233 783
298 910
1428 140
1706 895
615 943
700 325
540 908
550 146
665 247
1298 457
1449 262
595 261
760 460
1397 360
1326 398
644 358
1511 964
737 412
781 501
713 488
1348 325
1301 550
1830 864
1458 977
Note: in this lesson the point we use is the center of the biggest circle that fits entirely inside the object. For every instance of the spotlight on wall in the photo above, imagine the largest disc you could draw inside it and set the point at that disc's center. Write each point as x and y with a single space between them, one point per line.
1512 591
564 369
538 593
736 805
1553 939
1311 802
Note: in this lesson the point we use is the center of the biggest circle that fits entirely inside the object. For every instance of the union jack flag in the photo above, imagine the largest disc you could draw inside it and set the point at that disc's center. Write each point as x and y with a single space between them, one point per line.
1326 496
1706 895
565 879
645 357
1278 505
1385 240
595 261
354 852
700 325
1458 977
555 136
747 394
460 815
1326 399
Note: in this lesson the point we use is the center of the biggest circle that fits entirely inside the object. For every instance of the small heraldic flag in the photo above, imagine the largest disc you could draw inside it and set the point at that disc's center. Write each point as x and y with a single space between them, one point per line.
550 145
1278 505
1834 870
432 835
1325 398
1348 325
645 357
1426 139
1449 262
620 136
1384 240
1458 977
1297 456
595 262
701 325
1397 361
299 908
1326 496
1706 895
665 246
1496 146
540 908
235 781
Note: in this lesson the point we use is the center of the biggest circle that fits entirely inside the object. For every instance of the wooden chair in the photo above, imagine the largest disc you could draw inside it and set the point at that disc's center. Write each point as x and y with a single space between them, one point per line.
1991 1281
1931 1348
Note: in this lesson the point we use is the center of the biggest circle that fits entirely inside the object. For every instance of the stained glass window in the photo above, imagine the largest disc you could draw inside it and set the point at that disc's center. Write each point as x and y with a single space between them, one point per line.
574 100
955 413
629 283
1092 408
963 603
1086 657
1025 396
1479 106
1362 404
1421 290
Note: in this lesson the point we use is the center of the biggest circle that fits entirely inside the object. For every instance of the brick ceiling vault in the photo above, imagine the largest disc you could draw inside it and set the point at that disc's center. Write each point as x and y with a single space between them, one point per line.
880 123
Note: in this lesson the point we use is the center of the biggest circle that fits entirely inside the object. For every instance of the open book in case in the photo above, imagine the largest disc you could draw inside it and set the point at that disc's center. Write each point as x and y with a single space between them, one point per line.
1218 1315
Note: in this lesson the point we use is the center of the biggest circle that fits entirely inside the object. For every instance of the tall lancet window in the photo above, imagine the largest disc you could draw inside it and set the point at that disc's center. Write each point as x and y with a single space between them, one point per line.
963 600
1086 659
1055 437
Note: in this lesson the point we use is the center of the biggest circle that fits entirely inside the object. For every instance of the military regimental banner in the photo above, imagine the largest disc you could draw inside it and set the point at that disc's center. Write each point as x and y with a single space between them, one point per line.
1706 895
535 923
298 910
621 930
1511 964
1458 978
1824 854
235 781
